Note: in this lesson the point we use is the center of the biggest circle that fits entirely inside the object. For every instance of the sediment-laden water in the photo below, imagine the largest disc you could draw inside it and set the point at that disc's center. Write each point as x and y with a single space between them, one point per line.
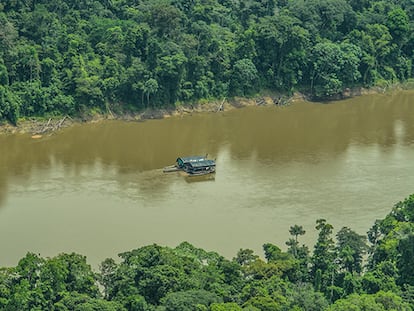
98 189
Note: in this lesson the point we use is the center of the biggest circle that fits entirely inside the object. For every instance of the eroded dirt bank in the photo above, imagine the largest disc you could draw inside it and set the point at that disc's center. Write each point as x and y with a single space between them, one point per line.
37 127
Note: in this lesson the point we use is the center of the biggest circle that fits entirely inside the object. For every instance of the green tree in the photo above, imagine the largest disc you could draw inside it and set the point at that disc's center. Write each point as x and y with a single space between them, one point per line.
150 87
155 272
44 284
132 86
379 53
9 105
293 244
351 248
87 84
189 300
170 71
405 260
359 5
321 17
380 301
386 233
300 253
164 18
245 257
83 302
263 303
382 278
323 258
296 230
107 277
4 75
48 71
273 253
244 77
398 25
8 35
281 44
27 63
333 67
304 297
225 306
136 41
83 55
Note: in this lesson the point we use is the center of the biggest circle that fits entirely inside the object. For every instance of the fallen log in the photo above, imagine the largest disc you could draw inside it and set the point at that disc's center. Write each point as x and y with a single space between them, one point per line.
49 127
220 108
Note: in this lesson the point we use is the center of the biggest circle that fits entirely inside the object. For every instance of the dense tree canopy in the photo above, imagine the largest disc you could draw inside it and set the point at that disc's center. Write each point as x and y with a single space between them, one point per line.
71 57
159 278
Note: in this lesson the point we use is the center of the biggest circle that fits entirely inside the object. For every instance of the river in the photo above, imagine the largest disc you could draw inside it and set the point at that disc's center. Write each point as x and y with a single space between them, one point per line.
98 189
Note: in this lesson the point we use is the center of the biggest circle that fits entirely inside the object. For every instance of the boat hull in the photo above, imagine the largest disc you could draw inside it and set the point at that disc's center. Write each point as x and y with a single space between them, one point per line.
201 173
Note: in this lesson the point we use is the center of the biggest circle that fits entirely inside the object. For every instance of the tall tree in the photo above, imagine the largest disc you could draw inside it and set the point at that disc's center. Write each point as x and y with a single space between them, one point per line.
351 249
333 67
405 260
244 77
293 244
323 259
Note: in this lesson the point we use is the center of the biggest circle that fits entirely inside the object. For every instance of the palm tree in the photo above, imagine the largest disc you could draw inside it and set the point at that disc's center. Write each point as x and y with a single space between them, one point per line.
296 230
150 87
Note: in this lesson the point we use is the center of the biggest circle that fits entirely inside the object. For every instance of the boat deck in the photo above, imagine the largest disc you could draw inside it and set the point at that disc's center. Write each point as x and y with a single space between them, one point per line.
193 166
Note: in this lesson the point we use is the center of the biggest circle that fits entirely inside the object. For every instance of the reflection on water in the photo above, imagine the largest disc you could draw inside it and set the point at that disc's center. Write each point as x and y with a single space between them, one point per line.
200 178
99 189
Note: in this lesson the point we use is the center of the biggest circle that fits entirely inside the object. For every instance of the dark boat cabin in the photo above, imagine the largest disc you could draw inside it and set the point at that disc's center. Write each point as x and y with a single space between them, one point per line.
196 165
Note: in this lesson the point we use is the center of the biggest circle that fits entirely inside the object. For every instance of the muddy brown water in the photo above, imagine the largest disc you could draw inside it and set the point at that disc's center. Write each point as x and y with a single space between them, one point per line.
98 189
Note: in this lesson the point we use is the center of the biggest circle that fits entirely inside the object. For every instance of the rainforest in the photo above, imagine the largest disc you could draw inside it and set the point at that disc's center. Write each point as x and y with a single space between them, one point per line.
347 271
86 56
78 58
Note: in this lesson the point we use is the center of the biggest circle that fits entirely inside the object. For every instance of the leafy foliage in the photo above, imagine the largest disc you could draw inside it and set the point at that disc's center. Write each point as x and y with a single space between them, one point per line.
157 278
71 57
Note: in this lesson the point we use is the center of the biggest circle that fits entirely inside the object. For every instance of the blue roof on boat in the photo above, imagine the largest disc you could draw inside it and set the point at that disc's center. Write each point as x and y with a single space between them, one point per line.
192 159
203 163
197 161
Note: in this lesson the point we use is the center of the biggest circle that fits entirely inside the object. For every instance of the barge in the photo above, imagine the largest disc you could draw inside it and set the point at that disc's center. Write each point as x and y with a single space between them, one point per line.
193 166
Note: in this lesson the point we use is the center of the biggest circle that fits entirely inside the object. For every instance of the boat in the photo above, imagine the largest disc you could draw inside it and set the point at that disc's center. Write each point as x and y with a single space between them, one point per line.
193 166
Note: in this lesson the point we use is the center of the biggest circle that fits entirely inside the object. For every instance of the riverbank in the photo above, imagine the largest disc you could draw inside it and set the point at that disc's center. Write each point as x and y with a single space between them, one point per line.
39 126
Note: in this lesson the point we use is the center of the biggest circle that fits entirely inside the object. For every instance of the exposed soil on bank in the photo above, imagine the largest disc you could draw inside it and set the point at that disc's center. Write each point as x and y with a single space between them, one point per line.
38 127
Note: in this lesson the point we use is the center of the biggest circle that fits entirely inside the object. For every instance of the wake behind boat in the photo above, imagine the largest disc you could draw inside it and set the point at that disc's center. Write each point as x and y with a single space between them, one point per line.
193 166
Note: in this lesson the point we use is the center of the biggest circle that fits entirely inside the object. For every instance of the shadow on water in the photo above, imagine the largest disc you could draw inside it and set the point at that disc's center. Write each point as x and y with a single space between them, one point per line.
3 188
201 178
269 134
311 129
99 188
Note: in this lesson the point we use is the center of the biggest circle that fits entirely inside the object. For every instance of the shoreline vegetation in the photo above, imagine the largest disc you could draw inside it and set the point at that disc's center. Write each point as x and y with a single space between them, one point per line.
346 271
118 58
37 127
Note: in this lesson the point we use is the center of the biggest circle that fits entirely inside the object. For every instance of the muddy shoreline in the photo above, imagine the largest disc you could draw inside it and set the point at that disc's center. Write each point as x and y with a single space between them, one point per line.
38 127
